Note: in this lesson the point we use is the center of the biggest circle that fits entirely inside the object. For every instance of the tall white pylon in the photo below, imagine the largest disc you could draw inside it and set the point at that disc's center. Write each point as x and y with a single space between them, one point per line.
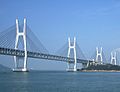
23 35
113 58
99 54
72 46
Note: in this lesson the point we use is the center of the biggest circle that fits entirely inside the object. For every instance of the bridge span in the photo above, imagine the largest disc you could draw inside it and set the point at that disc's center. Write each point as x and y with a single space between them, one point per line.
16 52
21 53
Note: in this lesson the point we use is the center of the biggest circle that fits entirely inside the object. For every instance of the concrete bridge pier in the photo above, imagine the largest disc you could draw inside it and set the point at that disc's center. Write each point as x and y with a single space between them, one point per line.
72 45
18 35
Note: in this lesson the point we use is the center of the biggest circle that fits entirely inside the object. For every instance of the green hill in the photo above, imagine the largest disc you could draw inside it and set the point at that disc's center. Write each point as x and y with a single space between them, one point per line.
102 67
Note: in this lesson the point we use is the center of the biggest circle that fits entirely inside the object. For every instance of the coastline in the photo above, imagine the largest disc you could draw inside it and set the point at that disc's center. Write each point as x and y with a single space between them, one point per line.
100 70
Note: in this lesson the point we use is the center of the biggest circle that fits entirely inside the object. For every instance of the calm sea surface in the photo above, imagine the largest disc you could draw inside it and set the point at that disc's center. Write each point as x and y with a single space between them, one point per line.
59 81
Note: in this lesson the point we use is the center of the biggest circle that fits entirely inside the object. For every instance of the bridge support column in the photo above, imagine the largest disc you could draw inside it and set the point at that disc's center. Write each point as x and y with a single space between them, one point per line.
99 54
72 46
113 58
23 35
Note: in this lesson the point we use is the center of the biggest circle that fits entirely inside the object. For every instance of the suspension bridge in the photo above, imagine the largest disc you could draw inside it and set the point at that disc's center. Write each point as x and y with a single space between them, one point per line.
21 43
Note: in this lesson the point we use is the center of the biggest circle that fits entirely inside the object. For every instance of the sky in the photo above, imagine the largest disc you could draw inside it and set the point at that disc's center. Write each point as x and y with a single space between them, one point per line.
92 22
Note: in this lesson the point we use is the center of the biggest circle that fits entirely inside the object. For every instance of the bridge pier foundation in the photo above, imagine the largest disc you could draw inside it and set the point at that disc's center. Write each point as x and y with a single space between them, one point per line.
20 70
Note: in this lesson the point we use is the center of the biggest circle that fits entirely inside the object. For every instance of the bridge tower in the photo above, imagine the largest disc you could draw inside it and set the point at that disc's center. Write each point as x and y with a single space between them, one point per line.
99 54
113 58
16 58
72 45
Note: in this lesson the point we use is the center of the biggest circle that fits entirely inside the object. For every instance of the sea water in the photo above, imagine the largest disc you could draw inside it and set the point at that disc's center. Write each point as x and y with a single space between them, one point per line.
59 81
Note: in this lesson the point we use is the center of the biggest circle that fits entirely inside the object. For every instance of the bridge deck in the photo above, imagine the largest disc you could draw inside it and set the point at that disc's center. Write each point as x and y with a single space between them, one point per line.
20 53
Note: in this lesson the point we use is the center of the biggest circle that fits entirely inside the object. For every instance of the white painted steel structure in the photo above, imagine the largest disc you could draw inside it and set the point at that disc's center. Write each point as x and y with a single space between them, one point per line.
113 58
99 54
23 35
72 46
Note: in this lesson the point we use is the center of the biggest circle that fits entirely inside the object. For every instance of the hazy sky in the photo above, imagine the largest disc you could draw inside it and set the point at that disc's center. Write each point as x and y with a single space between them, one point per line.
92 22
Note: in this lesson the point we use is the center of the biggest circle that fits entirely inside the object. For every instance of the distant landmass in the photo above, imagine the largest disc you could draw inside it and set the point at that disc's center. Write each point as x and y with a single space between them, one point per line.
4 68
102 67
